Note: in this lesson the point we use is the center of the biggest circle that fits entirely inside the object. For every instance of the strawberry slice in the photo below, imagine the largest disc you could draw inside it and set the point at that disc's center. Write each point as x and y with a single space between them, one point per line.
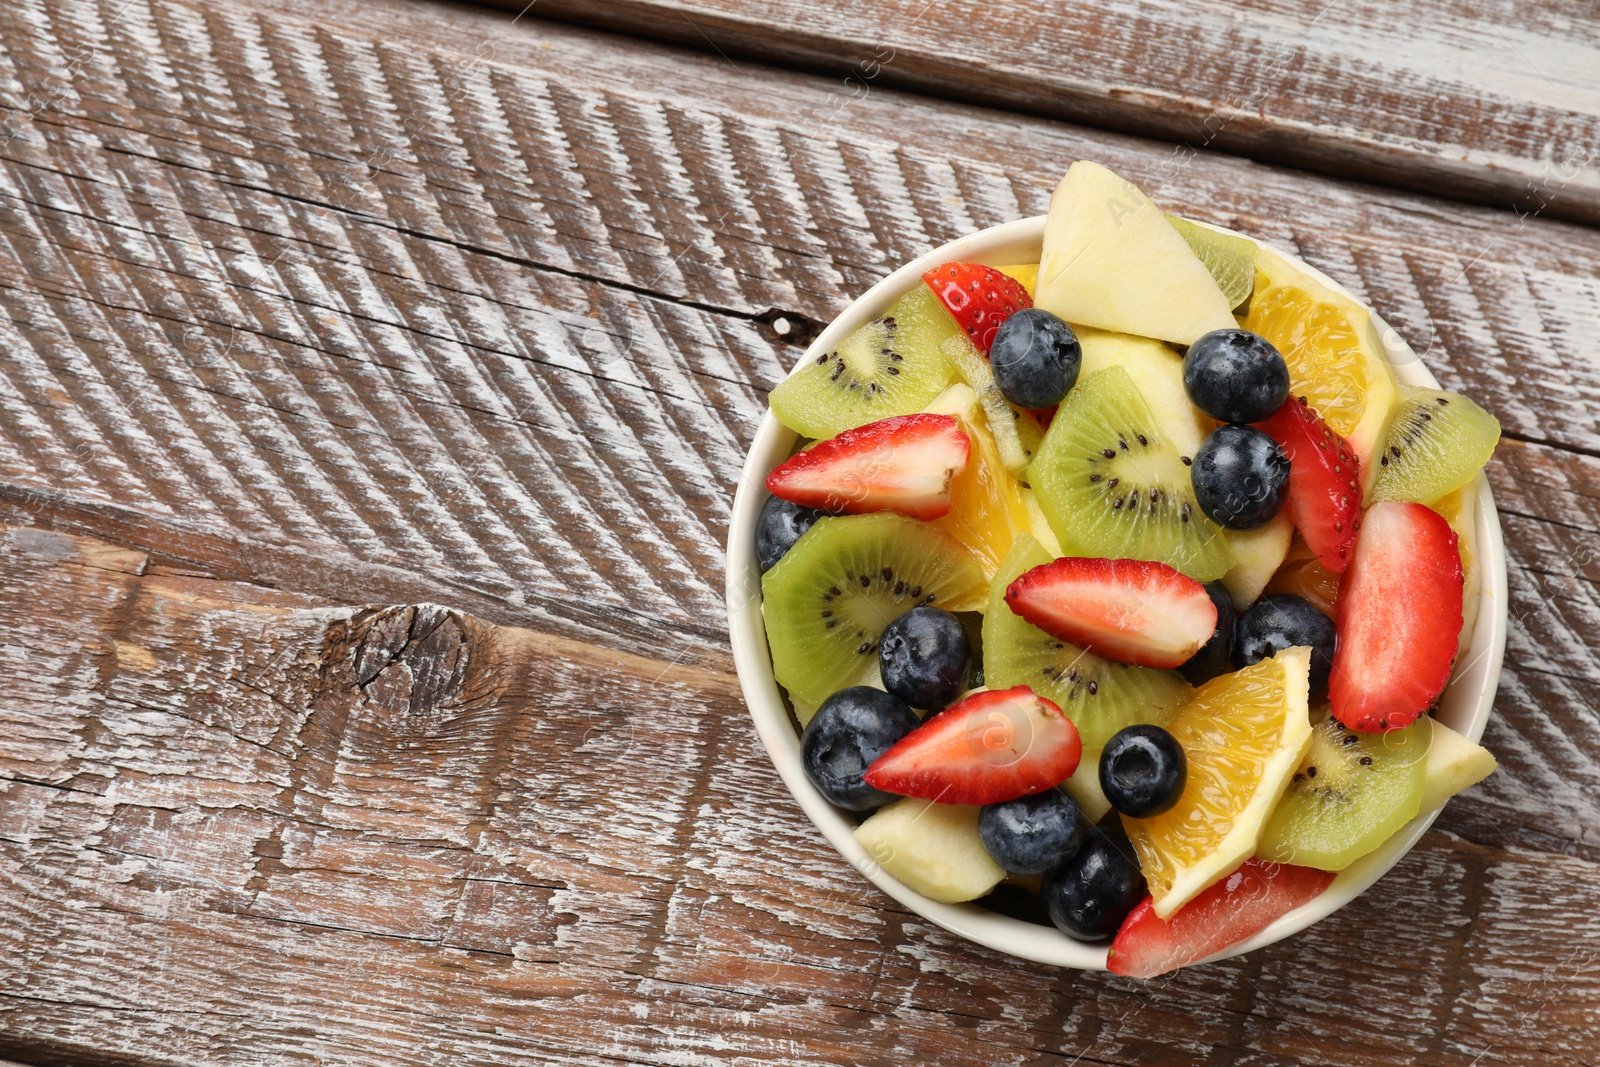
903 464
1242 904
991 747
1324 500
1130 610
979 298
1399 619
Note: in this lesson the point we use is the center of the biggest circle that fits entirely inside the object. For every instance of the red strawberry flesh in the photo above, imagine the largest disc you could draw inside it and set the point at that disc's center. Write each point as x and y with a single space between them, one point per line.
989 748
1399 619
979 298
1324 501
1240 906
902 464
1130 610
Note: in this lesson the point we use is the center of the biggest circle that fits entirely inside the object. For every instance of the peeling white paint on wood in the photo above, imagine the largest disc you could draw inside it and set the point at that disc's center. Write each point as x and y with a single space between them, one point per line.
311 328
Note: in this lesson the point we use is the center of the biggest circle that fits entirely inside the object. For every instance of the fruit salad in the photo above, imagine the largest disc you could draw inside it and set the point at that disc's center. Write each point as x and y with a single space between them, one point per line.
1115 590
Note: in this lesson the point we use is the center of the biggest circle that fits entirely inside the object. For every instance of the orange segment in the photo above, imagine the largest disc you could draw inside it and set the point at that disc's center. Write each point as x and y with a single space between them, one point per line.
986 505
1303 576
1336 360
1243 735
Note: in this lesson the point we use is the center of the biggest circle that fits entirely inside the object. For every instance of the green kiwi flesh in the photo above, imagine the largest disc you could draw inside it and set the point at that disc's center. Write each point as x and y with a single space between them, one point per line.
1437 443
827 601
1230 259
894 365
1017 433
1112 484
1098 695
1349 795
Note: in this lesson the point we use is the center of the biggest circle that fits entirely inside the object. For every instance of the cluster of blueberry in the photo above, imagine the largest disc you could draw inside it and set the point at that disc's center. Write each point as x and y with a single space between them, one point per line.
1240 475
1091 879
1241 479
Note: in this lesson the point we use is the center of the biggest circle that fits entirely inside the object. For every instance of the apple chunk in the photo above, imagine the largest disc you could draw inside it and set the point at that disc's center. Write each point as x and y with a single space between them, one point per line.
1454 764
1112 260
931 848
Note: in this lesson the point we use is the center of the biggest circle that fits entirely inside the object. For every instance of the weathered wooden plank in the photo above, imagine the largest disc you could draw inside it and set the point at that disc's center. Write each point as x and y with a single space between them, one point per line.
841 191
237 823
359 390
307 298
1493 103
1545 732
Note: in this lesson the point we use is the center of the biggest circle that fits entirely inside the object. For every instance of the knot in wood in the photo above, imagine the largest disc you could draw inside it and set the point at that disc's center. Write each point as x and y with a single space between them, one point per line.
410 666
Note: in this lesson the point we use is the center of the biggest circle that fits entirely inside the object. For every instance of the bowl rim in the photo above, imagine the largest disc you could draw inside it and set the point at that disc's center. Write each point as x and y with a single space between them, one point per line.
1465 705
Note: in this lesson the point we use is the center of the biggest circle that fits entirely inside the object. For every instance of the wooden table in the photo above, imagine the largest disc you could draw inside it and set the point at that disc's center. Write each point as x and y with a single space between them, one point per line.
374 377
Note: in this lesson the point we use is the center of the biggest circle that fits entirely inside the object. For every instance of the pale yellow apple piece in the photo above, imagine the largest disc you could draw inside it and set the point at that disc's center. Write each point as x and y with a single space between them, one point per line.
1257 555
1453 764
1111 260
1084 787
931 848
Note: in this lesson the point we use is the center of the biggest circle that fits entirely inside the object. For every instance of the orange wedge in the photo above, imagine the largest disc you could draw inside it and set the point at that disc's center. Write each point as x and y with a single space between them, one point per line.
986 504
1243 735
1302 575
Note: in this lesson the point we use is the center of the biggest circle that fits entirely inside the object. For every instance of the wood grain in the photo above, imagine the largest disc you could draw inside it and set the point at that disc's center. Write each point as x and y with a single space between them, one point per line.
438 429
295 831
310 306
1496 103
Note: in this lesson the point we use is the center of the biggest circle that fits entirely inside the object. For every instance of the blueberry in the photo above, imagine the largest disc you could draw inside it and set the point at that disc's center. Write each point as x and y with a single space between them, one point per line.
1282 621
1235 376
1033 834
852 729
1240 477
1142 771
923 657
1089 897
1216 655
1035 358
1015 901
779 527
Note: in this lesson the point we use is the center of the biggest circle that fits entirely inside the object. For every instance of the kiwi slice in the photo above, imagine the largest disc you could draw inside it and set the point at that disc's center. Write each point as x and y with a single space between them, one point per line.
1230 259
1098 695
1350 793
1112 484
1017 434
828 599
894 365
1437 443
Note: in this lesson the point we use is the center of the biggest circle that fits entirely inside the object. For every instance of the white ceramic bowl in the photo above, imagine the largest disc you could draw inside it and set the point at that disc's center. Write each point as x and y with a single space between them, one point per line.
1464 706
